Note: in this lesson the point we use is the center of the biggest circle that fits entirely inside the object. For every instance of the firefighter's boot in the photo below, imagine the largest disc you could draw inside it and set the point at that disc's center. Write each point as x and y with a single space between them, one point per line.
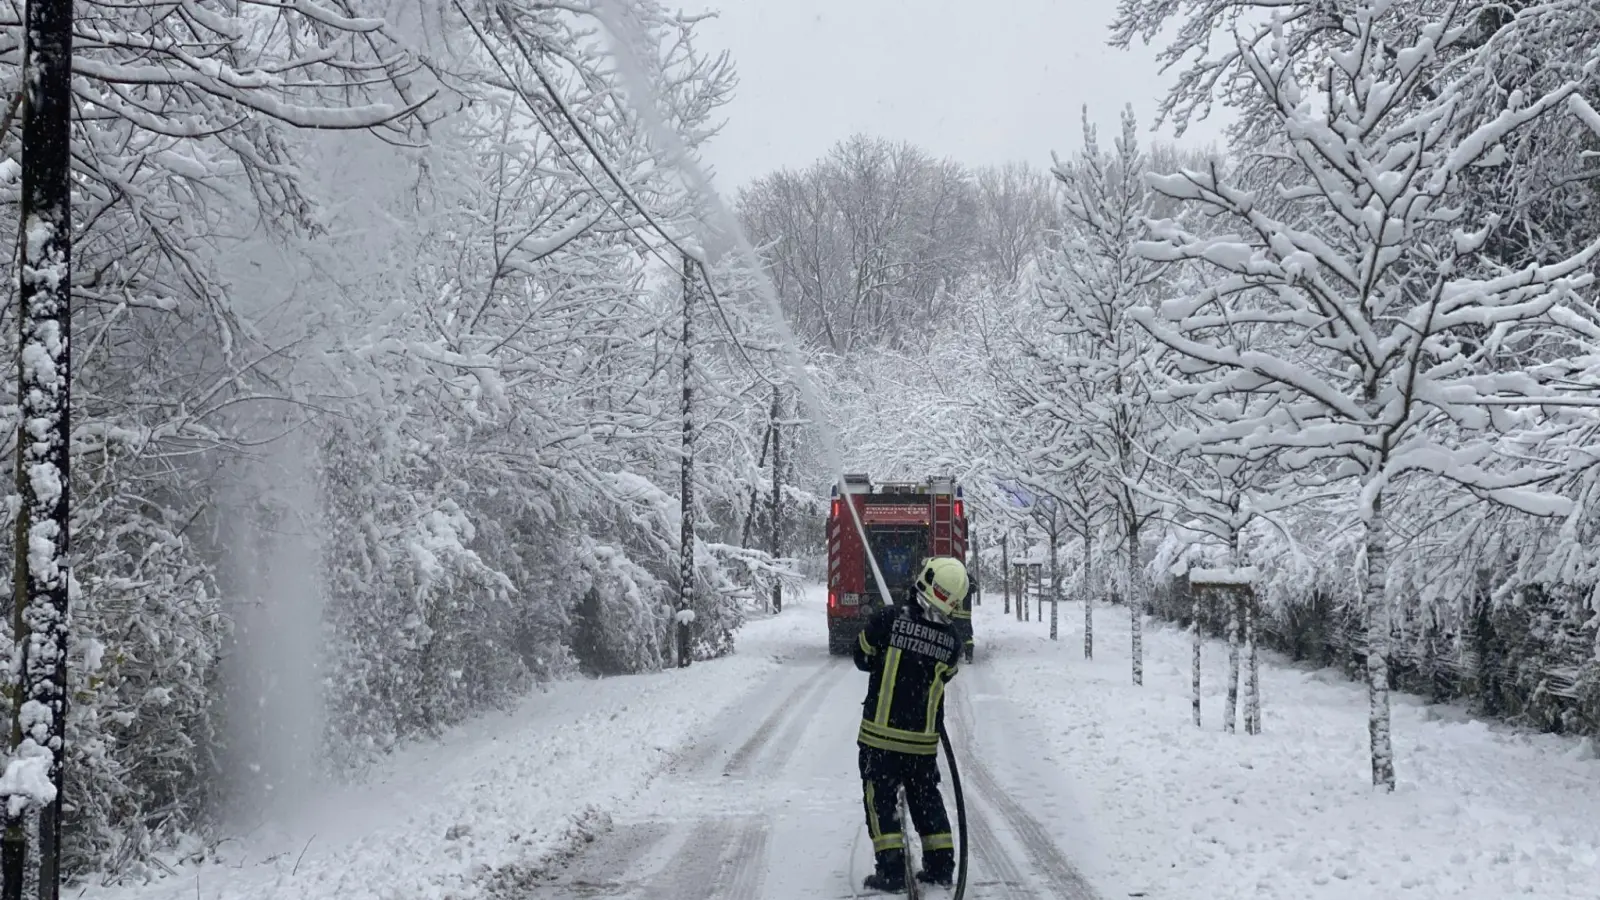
938 867
890 875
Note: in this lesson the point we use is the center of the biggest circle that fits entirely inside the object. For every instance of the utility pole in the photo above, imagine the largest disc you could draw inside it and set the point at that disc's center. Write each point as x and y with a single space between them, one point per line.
686 490
776 545
40 616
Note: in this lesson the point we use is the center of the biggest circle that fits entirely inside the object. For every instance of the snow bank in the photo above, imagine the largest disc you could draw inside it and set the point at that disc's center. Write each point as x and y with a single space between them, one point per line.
1179 812
505 789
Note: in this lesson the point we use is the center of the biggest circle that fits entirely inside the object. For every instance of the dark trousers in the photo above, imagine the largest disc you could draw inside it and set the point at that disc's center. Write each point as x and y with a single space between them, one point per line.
882 771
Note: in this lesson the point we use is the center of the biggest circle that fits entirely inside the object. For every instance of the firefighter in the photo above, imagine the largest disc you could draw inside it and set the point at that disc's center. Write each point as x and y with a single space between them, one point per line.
962 619
910 652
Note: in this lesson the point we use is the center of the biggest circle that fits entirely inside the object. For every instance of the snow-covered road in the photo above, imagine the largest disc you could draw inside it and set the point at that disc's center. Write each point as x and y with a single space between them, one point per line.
737 779
767 804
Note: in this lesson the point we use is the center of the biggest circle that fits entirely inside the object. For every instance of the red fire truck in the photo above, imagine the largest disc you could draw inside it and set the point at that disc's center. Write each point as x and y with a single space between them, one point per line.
905 522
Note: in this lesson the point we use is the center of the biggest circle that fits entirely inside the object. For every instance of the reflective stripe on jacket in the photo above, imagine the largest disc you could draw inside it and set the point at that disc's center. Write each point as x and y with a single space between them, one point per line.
909 659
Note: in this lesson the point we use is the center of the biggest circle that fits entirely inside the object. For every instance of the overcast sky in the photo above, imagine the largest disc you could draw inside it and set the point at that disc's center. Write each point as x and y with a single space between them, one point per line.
981 81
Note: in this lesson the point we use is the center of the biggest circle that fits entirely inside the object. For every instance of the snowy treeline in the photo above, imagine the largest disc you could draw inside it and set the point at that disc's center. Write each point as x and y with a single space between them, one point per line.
377 386
1355 351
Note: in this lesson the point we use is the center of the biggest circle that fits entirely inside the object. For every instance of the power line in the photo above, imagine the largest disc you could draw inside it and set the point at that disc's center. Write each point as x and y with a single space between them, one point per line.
605 166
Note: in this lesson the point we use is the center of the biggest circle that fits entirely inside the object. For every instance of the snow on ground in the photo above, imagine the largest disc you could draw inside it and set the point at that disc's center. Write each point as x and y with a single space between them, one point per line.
1179 813
504 789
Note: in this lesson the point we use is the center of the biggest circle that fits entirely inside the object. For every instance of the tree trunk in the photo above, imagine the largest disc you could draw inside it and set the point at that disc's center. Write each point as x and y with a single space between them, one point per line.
686 532
1088 598
43 456
776 546
1038 589
1377 609
1055 583
1022 592
1230 711
1252 683
1025 595
1194 631
1005 570
1135 602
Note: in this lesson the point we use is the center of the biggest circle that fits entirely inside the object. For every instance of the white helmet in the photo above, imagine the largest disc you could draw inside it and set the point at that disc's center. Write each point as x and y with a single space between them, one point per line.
941 586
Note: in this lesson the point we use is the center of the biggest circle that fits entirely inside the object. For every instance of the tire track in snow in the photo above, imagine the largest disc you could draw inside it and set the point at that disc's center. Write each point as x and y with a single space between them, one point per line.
741 757
1065 881
719 858
801 717
722 857
698 863
720 850
744 864
991 867
587 873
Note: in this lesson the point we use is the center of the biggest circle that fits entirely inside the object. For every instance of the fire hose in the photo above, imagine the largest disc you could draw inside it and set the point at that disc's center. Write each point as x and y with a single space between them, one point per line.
961 813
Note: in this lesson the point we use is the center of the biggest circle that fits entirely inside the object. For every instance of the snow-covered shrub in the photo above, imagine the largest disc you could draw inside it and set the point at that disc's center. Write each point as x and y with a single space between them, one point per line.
144 725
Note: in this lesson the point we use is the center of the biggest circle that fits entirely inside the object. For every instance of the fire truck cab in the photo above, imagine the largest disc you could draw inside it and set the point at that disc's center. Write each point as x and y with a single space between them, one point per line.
905 522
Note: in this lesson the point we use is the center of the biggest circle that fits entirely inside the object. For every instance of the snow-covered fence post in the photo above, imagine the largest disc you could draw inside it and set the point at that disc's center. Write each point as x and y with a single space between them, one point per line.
34 774
1231 587
686 569
1381 337
776 547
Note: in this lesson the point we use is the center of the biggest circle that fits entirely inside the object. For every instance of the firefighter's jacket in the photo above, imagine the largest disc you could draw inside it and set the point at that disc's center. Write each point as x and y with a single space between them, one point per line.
963 619
909 659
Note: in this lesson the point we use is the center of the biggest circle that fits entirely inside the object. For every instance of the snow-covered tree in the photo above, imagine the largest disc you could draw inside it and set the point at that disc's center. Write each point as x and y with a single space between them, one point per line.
339 287
181 148
1015 214
869 247
1388 324
1098 381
